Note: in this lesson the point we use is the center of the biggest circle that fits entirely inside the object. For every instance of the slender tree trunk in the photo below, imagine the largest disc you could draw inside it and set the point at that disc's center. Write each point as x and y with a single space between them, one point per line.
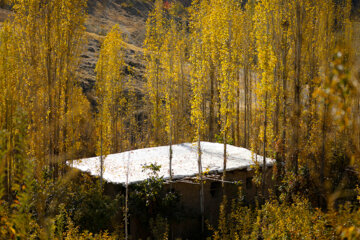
277 105
227 107
201 184
225 160
49 85
264 147
170 155
284 122
115 147
211 110
323 143
127 198
358 123
203 106
170 102
297 86
246 105
237 112
157 106
101 157
182 106
249 109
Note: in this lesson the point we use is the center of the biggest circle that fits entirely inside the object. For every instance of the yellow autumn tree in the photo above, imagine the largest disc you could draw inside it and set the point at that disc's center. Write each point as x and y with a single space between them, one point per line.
266 66
155 32
225 16
40 49
109 87
198 76
10 109
50 36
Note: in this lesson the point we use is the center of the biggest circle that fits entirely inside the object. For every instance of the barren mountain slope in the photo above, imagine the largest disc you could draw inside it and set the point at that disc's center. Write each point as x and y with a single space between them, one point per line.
131 16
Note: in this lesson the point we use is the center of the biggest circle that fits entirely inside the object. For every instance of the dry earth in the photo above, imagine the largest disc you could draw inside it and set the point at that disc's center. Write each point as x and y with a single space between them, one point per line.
131 16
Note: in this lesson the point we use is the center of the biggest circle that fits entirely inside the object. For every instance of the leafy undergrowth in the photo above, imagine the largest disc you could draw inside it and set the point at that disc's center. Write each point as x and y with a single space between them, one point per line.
283 220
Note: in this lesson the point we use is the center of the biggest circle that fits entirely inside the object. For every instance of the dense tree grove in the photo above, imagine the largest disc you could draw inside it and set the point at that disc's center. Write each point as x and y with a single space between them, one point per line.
273 76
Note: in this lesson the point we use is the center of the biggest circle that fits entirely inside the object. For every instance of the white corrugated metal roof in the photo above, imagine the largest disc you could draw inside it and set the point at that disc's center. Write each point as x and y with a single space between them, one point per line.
184 163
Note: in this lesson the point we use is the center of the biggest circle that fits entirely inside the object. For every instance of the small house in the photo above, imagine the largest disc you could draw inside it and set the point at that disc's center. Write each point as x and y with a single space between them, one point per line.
126 168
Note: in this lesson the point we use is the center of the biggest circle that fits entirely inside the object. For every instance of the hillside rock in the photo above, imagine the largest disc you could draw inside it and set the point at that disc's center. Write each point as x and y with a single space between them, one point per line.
131 16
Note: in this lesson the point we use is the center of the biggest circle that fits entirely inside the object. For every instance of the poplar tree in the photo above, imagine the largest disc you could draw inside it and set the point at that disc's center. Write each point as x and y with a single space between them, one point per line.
50 37
266 65
133 131
9 108
198 80
175 83
245 26
109 88
40 49
155 32
168 62
333 39
224 15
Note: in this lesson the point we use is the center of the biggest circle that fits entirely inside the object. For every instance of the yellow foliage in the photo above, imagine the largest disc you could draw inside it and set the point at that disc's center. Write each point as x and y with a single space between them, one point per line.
109 87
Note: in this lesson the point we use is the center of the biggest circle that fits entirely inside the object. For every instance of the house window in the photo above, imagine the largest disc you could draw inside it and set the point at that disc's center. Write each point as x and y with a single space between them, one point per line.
249 183
215 188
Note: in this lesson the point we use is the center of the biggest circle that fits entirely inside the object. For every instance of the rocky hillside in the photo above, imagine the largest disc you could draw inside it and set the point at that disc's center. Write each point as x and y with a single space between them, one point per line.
131 16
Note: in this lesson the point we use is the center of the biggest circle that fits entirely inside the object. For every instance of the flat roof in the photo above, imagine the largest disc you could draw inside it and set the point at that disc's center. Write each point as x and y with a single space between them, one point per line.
184 162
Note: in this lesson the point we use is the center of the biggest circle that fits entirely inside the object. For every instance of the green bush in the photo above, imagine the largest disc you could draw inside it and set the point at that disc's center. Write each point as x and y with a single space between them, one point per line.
152 203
